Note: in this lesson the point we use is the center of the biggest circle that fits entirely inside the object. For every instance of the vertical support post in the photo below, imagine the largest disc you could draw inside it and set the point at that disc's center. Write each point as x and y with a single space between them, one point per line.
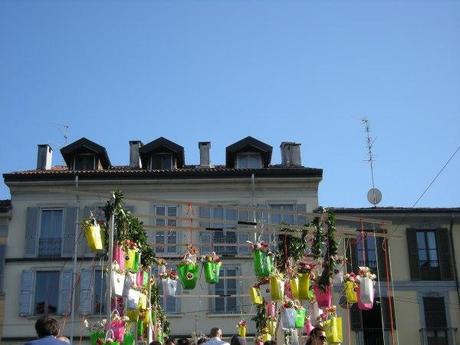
75 254
109 292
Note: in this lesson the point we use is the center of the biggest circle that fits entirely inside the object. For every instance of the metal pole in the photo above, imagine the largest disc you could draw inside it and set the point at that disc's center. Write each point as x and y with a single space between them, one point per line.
75 253
109 293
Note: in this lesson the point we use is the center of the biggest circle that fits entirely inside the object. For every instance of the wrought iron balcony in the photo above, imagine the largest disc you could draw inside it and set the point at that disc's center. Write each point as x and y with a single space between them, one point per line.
49 247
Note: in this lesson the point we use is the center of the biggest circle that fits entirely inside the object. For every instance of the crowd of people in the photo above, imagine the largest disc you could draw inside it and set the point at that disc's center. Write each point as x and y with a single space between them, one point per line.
47 329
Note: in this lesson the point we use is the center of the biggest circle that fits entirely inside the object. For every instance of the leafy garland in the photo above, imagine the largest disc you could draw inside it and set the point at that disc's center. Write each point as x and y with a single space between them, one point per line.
156 306
330 254
260 318
291 248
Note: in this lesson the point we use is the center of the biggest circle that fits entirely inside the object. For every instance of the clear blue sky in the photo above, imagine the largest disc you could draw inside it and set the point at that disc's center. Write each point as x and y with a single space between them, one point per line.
304 71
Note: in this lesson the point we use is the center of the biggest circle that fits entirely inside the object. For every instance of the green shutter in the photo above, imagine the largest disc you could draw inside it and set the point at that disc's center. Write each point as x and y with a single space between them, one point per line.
412 248
444 253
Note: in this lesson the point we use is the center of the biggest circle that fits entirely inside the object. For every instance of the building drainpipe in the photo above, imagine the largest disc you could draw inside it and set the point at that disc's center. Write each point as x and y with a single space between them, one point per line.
452 247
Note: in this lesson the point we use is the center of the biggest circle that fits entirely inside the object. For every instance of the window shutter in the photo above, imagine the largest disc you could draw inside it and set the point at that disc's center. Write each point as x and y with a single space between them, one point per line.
25 299
2 266
69 231
65 292
32 231
412 248
355 318
435 312
86 293
445 257
380 258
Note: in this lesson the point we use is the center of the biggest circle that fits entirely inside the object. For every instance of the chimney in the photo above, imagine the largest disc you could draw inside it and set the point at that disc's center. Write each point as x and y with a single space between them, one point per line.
205 159
134 157
290 154
44 157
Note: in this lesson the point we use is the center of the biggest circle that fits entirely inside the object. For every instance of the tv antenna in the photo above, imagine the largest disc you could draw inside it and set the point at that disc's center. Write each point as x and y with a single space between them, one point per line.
374 196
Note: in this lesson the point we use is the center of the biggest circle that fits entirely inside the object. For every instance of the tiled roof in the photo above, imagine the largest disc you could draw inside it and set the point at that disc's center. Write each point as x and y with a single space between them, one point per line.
126 172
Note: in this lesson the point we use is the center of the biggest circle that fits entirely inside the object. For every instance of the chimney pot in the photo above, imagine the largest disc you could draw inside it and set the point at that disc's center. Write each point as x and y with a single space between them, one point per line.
44 157
205 159
134 157
290 154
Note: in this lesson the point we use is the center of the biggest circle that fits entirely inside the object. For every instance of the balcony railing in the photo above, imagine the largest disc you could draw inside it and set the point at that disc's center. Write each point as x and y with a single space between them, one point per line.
438 336
49 247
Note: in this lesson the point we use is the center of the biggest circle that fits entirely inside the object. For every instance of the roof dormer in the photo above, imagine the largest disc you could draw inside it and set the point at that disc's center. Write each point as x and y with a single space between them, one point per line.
162 154
248 153
84 154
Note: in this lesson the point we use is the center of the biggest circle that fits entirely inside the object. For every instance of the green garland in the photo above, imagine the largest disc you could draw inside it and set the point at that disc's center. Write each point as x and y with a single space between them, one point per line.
291 248
161 315
331 253
260 318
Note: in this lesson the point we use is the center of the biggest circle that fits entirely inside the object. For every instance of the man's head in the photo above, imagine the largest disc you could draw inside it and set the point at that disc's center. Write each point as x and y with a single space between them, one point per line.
318 336
46 326
216 332
62 338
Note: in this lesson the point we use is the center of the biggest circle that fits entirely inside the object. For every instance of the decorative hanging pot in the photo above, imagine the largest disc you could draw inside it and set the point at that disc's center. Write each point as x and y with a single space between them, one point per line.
133 315
133 299
140 329
262 263
132 260
130 282
119 256
256 296
117 327
142 304
361 305
304 286
111 339
270 309
333 329
94 237
142 278
118 282
315 312
188 275
350 292
294 283
338 277
128 339
271 324
323 297
212 272
366 287
117 305
308 327
169 286
276 288
300 318
242 330
95 336
288 316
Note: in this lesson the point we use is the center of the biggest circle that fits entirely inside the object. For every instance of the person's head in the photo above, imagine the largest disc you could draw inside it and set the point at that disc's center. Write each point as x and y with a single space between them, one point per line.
155 342
318 336
46 326
184 341
216 332
62 338
201 340
237 340
270 342
170 341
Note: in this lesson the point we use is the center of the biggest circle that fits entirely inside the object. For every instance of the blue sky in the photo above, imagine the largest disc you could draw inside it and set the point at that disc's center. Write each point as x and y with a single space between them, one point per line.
304 71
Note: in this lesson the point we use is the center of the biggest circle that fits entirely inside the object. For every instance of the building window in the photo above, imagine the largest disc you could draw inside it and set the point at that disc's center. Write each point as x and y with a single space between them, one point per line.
282 214
85 162
49 243
46 292
430 255
170 304
166 241
221 233
100 290
248 160
436 331
161 161
226 289
2 266
366 252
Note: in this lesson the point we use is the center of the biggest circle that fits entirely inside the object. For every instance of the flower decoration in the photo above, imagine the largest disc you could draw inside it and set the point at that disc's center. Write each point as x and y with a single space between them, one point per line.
213 257
130 244
331 310
190 256
289 304
305 267
171 274
349 277
242 323
260 245
160 262
365 272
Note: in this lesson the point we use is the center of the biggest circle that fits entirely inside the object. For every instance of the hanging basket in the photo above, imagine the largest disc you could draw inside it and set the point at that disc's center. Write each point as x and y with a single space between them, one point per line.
276 288
262 263
212 272
133 299
128 339
324 298
111 335
242 330
169 286
304 286
188 275
366 288
361 305
271 324
119 256
333 329
266 337
270 309
95 336
117 327
140 329
94 237
118 282
294 284
142 278
142 304
132 260
133 315
300 318
308 327
256 296
288 316
350 292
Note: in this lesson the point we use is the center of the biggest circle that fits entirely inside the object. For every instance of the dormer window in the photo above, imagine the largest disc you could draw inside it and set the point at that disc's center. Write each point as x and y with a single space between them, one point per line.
85 162
248 160
161 161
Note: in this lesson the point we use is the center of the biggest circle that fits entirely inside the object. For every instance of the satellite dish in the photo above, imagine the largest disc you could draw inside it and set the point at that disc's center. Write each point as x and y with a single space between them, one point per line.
374 196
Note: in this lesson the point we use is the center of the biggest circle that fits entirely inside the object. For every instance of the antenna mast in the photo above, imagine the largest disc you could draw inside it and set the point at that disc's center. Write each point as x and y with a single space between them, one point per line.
374 196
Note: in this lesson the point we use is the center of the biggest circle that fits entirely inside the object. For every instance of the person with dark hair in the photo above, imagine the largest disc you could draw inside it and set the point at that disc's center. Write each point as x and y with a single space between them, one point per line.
170 341
317 337
216 337
202 340
155 342
270 342
237 340
185 341
47 329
